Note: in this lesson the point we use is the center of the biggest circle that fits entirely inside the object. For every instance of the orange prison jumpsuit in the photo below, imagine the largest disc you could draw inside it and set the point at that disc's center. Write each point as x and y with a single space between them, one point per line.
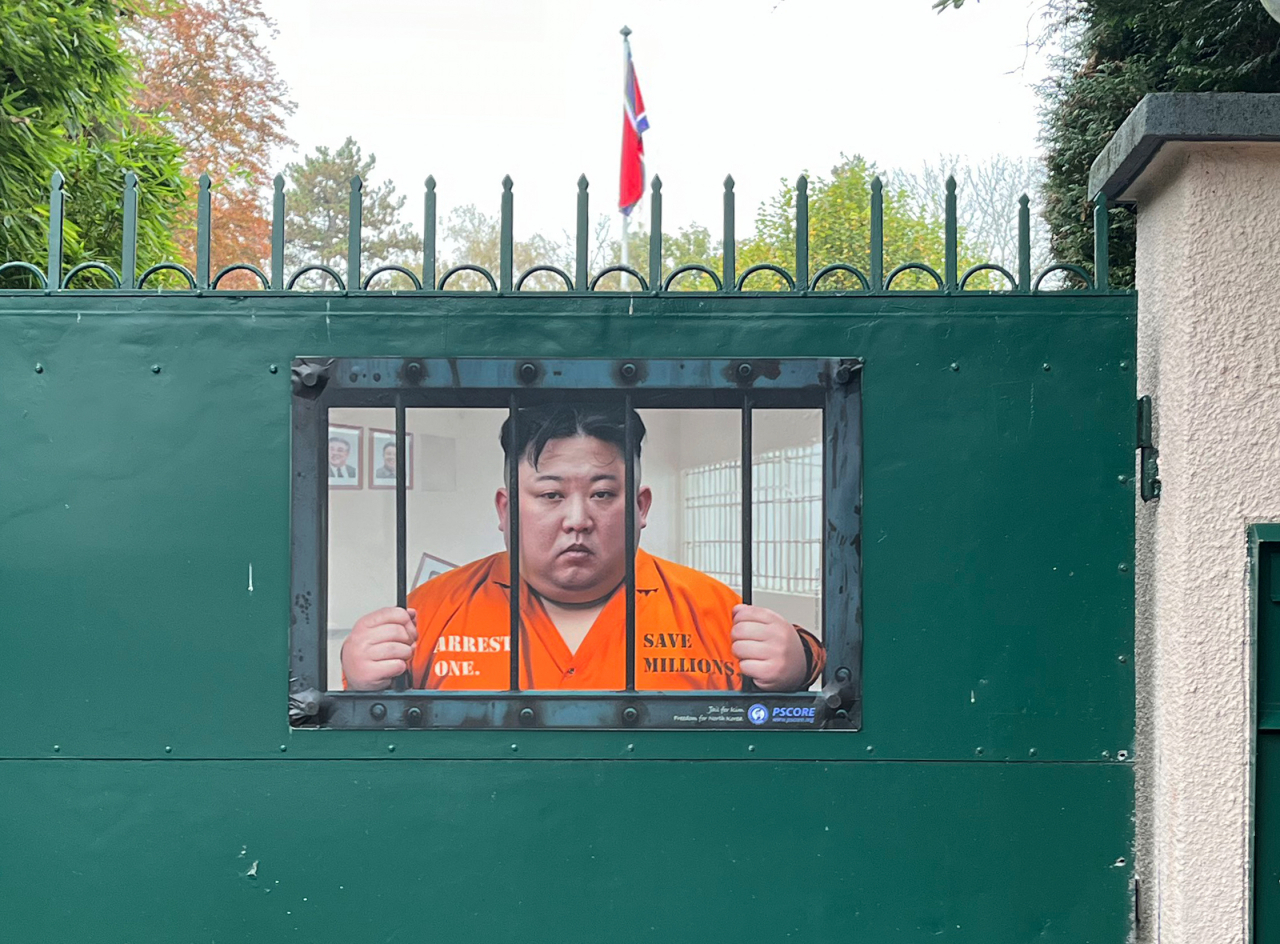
683 621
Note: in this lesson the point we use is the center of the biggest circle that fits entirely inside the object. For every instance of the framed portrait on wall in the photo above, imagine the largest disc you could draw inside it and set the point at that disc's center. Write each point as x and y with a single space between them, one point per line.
344 453
430 566
382 458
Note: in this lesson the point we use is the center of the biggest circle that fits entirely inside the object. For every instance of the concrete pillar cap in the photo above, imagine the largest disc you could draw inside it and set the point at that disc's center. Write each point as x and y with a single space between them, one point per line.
1180 116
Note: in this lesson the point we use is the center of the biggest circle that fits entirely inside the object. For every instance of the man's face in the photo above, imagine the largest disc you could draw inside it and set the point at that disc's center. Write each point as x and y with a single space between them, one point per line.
573 519
338 452
389 457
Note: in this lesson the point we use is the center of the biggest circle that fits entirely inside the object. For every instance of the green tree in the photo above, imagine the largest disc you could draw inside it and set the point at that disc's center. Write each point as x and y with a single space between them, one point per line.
318 212
1116 52
839 231
65 86
474 237
690 245
988 195
206 74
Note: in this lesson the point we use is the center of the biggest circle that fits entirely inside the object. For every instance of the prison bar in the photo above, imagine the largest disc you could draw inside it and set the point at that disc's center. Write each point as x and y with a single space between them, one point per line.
402 528
747 505
748 508
513 536
629 489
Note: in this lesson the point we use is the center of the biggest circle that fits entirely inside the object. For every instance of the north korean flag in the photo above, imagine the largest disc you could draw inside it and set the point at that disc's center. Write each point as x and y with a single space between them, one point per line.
634 125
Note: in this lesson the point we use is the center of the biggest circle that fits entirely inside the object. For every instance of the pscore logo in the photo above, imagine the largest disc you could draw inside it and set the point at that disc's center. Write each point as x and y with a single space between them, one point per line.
794 715
757 714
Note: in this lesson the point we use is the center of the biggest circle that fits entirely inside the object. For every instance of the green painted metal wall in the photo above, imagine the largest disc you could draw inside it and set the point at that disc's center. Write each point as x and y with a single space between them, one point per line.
146 762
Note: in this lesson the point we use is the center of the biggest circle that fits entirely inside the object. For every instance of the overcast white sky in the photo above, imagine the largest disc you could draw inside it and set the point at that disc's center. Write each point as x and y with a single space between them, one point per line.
470 90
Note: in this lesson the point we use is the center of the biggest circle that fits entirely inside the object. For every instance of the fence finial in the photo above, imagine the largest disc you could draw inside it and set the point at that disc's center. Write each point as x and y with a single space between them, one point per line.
953 238
506 245
802 233
877 234
129 235
277 235
203 232
355 225
429 234
729 246
580 274
1101 244
655 233
1024 244
57 212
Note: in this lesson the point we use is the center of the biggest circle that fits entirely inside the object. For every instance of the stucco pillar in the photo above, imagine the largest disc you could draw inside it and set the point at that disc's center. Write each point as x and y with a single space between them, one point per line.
1204 174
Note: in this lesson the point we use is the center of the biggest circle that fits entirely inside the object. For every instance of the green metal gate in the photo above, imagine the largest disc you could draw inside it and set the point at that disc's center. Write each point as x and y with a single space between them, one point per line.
155 790
1266 840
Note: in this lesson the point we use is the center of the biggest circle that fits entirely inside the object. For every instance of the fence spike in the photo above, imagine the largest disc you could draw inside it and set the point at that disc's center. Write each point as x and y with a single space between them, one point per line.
877 234
581 275
355 224
506 248
203 232
729 247
277 235
655 233
429 234
1101 244
953 238
129 236
1024 244
57 212
802 233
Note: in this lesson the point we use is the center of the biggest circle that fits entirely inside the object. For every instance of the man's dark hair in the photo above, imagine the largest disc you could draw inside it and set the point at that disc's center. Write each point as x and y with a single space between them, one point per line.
540 424
339 439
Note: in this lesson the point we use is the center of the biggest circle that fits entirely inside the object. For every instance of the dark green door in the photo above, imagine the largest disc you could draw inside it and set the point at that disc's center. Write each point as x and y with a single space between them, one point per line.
1267 832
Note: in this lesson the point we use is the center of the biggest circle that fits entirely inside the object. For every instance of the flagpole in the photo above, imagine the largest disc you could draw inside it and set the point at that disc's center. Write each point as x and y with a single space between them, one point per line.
626 217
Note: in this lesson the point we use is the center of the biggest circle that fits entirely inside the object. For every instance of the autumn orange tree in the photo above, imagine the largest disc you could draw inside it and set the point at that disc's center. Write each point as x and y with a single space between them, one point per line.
206 75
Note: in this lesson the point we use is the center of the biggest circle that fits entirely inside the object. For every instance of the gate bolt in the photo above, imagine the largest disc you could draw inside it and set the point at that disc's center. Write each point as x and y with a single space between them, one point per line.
630 716
378 711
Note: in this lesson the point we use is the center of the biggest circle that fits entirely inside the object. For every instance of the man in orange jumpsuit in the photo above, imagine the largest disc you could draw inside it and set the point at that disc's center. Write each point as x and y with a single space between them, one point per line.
692 632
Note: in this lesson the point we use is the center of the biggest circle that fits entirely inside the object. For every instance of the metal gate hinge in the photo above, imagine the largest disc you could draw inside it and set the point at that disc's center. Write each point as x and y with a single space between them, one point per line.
309 375
304 705
1148 454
